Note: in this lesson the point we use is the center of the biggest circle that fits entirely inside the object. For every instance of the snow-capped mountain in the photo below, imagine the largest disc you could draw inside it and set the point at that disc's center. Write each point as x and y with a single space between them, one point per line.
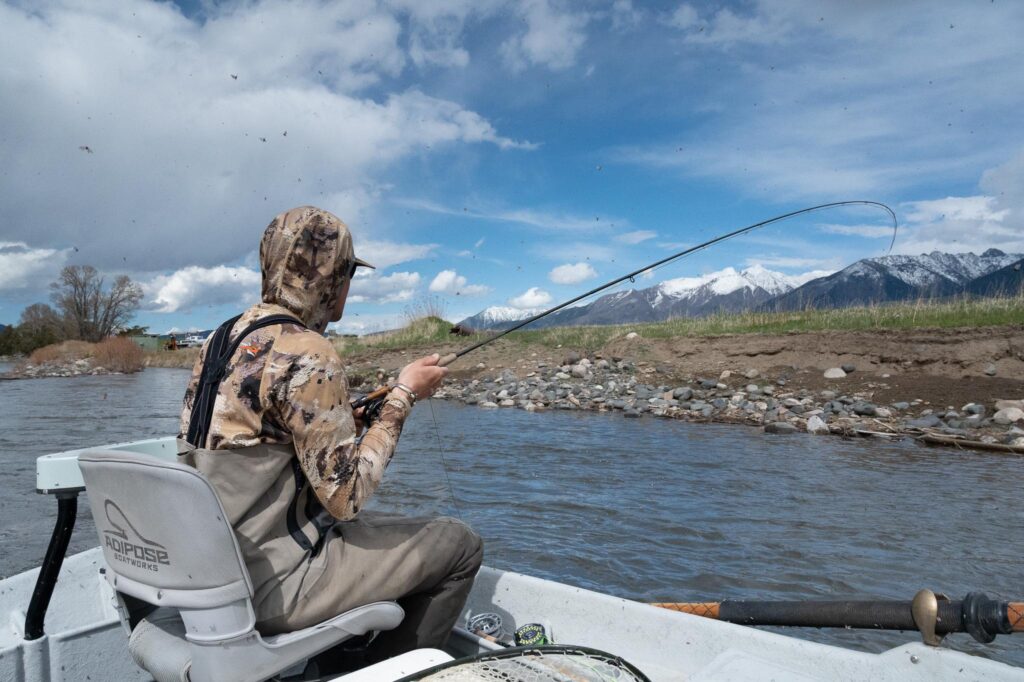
895 278
727 290
498 317
868 281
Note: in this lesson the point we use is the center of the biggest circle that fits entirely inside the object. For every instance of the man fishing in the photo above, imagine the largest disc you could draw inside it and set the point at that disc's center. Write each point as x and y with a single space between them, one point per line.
267 418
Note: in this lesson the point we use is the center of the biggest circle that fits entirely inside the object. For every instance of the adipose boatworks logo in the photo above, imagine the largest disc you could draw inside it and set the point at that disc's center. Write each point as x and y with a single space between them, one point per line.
134 550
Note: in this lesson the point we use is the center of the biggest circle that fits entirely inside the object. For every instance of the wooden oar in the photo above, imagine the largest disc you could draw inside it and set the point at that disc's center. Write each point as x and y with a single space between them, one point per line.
934 615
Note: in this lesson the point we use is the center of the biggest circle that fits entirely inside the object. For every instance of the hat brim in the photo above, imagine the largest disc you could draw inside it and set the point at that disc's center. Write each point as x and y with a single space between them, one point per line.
360 263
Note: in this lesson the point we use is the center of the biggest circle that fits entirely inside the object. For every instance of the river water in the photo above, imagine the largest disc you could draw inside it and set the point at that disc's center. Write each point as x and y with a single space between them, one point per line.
654 510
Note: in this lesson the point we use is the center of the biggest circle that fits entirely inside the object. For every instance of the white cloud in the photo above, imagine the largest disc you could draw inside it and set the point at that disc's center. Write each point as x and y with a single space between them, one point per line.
23 267
383 254
896 100
625 16
572 273
524 216
552 38
961 224
479 243
866 231
534 297
214 168
635 237
833 263
195 286
393 288
451 282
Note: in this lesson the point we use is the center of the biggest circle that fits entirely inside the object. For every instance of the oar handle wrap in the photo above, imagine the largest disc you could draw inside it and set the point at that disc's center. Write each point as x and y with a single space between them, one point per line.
447 360
983 618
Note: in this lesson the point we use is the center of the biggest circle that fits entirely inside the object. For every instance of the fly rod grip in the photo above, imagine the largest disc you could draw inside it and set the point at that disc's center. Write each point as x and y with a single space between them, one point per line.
447 360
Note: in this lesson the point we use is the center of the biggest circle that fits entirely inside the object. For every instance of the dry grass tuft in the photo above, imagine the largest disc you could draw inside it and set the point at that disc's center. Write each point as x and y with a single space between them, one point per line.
58 353
118 355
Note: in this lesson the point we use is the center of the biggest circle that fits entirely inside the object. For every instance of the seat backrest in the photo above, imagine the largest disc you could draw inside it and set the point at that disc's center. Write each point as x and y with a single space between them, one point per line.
164 533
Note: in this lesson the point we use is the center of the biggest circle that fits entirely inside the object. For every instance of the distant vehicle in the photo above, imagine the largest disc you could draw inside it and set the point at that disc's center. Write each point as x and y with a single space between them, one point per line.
192 341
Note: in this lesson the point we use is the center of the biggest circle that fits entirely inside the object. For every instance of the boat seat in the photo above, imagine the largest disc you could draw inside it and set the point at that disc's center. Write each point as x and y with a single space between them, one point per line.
167 541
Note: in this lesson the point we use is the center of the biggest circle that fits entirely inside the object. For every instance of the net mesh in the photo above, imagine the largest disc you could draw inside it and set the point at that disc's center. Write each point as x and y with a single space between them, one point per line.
538 664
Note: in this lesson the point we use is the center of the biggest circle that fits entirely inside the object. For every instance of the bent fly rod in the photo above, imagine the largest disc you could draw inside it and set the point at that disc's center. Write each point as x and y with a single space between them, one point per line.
379 394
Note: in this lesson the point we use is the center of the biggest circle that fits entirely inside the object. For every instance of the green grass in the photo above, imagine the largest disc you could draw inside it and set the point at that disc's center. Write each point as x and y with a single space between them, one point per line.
989 312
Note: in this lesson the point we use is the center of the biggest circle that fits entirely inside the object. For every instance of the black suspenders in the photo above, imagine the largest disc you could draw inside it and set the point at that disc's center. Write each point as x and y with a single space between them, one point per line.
218 354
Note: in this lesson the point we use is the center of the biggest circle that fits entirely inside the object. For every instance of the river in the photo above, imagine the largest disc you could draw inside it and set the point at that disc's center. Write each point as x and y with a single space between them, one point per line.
648 509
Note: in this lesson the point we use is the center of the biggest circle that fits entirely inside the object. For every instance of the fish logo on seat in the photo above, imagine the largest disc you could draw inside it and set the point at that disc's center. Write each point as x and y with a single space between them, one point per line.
133 549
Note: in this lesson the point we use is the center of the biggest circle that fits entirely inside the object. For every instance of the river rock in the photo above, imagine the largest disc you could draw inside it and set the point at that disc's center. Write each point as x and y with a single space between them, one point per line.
834 373
571 358
779 428
1004 404
975 408
849 369
1008 415
724 375
751 374
631 413
488 403
579 371
817 426
925 422
601 364
901 406
683 393
864 409
990 370
630 336
752 388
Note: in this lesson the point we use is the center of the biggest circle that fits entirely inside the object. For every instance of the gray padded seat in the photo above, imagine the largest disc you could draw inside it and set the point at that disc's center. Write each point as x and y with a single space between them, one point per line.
167 541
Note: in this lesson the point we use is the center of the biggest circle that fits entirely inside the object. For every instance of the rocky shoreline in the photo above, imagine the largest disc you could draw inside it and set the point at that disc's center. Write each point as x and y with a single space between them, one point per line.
771 402
73 368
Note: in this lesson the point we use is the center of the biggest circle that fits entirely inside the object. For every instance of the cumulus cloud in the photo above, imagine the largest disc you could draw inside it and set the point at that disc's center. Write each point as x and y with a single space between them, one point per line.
572 273
636 237
394 288
552 37
960 224
188 163
534 297
24 267
195 286
451 282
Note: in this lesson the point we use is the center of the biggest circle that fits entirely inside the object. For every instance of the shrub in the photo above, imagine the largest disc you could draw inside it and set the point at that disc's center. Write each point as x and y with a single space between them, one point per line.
118 354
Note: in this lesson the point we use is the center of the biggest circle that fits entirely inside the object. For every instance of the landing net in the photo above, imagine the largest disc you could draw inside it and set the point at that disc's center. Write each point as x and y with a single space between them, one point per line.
536 664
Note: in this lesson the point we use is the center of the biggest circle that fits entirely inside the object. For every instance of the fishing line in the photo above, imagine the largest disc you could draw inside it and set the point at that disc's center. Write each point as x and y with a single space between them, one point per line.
444 464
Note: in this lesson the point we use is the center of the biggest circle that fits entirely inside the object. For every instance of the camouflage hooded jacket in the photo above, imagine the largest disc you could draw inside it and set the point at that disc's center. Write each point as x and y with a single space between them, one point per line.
285 385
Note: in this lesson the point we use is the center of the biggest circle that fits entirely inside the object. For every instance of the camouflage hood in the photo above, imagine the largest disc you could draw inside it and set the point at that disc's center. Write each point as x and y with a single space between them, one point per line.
305 256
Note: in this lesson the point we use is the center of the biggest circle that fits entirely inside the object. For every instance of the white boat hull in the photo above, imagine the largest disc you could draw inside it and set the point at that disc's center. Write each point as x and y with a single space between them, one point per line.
85 639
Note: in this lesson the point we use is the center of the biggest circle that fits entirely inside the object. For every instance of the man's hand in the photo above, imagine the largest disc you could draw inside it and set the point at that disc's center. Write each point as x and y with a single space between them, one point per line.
423 376
358 416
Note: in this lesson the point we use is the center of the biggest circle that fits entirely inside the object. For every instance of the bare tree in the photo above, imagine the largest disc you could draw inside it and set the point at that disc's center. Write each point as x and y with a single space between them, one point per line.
41 325
92 313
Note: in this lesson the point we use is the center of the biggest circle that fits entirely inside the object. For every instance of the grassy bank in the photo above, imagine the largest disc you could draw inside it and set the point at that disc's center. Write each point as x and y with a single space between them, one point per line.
431 332
183 358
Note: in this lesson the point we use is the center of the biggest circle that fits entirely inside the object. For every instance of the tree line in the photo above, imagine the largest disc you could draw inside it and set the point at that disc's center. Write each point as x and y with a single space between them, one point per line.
84 309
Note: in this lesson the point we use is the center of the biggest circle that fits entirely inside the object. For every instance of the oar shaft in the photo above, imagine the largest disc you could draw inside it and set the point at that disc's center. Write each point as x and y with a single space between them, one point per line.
977 614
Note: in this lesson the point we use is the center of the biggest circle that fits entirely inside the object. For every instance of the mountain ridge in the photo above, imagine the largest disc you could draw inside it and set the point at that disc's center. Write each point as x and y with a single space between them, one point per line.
865 282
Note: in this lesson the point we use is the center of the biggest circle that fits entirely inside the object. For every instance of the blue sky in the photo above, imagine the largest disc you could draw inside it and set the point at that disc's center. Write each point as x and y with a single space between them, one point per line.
495 153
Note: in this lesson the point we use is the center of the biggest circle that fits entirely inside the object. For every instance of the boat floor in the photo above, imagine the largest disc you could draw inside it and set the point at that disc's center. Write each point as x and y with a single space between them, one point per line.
85 638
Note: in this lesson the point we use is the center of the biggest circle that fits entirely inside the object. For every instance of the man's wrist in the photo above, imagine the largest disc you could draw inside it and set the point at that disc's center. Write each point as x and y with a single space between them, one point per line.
408 392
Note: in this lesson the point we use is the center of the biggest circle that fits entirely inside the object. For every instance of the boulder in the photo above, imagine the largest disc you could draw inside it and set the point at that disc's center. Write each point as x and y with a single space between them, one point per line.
834 373
849 369
1008 415
817 426
779 428
1003 404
